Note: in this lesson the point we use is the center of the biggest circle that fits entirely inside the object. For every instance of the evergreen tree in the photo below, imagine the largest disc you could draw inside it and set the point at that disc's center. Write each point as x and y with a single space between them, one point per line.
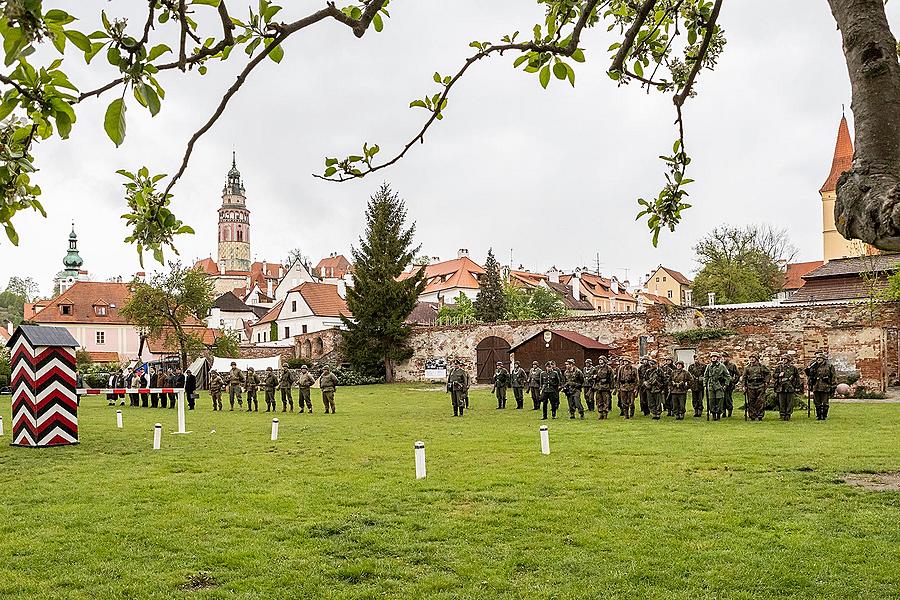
490 304
379 301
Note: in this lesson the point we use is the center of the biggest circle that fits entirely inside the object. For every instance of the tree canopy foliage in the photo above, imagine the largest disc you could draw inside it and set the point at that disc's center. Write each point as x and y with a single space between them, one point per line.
19 290
490 304
741 264
532 303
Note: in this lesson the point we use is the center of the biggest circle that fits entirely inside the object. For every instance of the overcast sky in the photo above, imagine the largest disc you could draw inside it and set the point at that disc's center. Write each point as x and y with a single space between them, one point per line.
551 176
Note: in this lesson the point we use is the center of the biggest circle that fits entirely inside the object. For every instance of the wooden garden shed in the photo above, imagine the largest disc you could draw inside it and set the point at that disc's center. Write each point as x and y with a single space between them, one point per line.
558 345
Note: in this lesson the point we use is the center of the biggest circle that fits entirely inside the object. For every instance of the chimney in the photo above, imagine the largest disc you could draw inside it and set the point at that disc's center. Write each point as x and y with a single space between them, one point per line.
9 327
614 285
435 259
269 286
462 253
688 298
576 284
221 267
215 317
342 288
711 299
249 283
348 279
265 269
553 275
280 271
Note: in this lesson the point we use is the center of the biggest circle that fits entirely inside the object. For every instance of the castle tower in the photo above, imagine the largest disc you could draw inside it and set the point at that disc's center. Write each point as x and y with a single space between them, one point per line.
234 224
72 264
834 245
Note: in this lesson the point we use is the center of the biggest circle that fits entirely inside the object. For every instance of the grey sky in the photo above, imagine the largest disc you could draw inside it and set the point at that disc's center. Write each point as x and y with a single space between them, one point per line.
554 174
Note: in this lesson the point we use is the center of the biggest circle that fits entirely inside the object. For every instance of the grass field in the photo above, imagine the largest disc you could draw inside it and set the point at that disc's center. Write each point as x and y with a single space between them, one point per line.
634 510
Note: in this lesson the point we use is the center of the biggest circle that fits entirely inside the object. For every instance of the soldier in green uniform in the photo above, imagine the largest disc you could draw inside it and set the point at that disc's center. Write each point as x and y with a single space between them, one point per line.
696 370
679 384
328 382
756 377
589 384
668 367
656 384
735 374
519 379
252 386
285 382
551 382
304 382
573 381
458 386
613 363
627 381
501 382
822 381
786 383
235 379
642 389
716 379
215 389
534 384
271 383
603 383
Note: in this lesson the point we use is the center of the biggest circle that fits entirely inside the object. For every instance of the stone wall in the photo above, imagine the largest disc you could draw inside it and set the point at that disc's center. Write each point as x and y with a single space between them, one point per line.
319 347
857 342
285 352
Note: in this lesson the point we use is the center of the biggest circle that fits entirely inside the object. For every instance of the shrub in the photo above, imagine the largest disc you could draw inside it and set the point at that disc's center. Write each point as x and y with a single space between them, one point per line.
862 393
693 336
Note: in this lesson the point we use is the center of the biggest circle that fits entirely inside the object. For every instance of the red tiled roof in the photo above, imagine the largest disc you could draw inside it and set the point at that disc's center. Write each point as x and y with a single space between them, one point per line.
4 335
82 297
104 357
526 277
843 157
568 299
833 289
599 287
272 315
457 273
164 343
335 266
323 299
424 313
573 336
207 265
655 299
677 276
793 275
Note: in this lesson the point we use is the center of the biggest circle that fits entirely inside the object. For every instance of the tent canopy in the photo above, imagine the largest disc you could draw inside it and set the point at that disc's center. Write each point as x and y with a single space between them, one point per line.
223 365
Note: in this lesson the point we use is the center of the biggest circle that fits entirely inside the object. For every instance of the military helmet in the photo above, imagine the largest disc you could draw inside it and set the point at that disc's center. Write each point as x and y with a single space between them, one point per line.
499 363
535 363
754 355
268 368
304 368
233 364
250 369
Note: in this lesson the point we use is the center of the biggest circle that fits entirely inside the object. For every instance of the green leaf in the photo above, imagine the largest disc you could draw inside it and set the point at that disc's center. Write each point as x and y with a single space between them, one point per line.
157 51
114 121
578 55
377 22
7 107
81 41
559 69
11 234
544 77
638 68
277 53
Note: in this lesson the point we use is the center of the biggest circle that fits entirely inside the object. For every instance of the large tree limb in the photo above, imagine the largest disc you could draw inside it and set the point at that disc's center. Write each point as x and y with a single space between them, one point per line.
868 195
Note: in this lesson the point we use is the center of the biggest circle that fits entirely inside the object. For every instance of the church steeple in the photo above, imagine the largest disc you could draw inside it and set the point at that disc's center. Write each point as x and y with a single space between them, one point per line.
233 184
234 224
843 157
72 261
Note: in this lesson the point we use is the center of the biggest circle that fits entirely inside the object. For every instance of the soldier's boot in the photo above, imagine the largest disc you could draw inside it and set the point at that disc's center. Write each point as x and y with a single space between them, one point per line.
581 414
249 406
284 406
455 411
825 412
291 402
631 412
232 404
256 406
461 409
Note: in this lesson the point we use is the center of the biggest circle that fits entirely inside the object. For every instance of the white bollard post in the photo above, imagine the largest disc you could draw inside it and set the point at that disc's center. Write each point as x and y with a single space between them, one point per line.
274 429
1 425
545 440
157 436
420 460
119 419
179 401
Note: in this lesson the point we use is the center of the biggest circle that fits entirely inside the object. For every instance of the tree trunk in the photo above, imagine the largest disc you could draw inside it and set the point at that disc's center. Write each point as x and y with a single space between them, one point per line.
388 370
868 195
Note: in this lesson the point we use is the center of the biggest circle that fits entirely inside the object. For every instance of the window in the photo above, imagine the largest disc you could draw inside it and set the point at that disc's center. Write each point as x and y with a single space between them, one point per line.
294 306
65 309
670 293
100 311
100 336
664 277
287 332
657 280
240 236
304 329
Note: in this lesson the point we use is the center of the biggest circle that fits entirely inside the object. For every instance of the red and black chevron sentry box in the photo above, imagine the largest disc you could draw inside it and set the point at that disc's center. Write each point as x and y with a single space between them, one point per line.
44 404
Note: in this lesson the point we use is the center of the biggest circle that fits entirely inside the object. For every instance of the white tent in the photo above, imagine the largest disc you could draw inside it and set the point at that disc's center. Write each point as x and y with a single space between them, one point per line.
223 365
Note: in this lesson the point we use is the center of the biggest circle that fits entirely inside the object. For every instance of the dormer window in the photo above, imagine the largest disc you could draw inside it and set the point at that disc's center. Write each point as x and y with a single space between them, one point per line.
65 309
100 310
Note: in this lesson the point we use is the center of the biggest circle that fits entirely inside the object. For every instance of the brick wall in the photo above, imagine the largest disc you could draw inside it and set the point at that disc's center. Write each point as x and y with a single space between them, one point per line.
285 352
857 341
319 347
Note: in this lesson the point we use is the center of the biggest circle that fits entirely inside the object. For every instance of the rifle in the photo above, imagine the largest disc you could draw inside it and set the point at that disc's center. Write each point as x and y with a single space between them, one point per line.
808 401
706 385
745 398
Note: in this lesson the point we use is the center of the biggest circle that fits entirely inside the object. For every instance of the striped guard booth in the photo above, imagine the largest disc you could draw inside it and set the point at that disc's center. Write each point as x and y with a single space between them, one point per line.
44 405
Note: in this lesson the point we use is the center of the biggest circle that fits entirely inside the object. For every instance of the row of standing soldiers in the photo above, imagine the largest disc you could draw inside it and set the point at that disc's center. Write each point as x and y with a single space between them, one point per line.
664 387
236 379
171 378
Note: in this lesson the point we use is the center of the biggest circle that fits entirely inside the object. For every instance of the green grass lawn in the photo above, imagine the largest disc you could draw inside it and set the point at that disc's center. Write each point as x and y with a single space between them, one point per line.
620 509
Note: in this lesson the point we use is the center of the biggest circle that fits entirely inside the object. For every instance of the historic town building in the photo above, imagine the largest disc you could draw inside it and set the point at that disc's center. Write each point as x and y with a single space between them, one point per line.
72 263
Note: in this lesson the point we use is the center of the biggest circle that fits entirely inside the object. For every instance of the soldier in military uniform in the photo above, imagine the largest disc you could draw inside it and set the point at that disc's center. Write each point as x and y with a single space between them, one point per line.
679 384
285 382
696 370
668 367
786 383
642 389
656 383
235 379
551 382
589 384
603 384
573 381
458 386
627 381
215 389
519 379
756 377
735 374
271 383
501 382
328 382
304 382
252 385
716 379
822 381
534 384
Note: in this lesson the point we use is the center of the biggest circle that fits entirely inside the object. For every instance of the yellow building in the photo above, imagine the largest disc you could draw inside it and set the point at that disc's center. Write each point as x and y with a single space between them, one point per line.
834 245
671 285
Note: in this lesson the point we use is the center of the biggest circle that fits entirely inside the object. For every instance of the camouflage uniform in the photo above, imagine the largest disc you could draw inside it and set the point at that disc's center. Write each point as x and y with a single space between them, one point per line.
573 382
679 384
642 389
271 383
501 382
458 386
627 381
822 381
519 379
716 379
215 389
285 382
668 368
534 385
304 382
551 382
786 383
252 386
735 374
589 394
603 382
696 370
656 383
328 382
235 379
756 377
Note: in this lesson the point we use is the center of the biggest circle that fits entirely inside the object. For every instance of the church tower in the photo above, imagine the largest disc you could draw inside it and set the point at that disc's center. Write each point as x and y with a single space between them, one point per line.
834 245
72 264
234 224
